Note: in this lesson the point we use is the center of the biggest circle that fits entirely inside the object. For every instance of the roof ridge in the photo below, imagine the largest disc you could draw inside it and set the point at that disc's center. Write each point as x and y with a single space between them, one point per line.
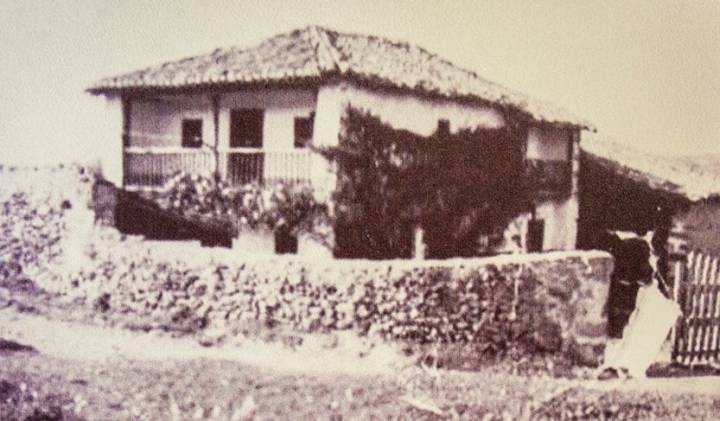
313 53
323 45
408 45
413 45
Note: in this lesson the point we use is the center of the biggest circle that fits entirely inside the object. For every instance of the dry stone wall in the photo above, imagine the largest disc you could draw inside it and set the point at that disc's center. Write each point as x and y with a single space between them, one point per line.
39 208
552 302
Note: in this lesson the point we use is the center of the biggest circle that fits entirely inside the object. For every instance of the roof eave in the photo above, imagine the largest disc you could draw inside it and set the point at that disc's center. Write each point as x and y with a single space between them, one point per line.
650 181
376 83
216 87
327 77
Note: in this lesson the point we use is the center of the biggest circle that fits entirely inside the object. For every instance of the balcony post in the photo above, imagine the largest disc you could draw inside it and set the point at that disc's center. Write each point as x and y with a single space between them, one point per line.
126 128
215 103
574 200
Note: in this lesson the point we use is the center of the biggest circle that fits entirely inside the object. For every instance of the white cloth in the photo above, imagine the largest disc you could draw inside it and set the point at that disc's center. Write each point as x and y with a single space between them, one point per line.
645 333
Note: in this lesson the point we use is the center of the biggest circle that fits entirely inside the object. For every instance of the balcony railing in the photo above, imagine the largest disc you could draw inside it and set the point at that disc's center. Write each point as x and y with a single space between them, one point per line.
549 178
153 167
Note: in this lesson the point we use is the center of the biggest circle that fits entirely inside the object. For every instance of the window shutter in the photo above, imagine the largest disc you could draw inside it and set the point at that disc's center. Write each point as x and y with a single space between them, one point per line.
246 128
536 235
192 133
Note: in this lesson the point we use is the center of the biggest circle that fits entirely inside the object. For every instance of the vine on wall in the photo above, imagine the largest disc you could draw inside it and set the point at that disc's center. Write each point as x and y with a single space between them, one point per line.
457 186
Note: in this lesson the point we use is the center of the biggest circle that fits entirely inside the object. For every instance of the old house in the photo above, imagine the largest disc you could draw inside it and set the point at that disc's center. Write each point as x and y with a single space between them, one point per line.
259 109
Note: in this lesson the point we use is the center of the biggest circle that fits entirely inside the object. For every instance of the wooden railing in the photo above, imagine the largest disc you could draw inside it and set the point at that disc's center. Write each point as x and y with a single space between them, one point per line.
250 165
153 167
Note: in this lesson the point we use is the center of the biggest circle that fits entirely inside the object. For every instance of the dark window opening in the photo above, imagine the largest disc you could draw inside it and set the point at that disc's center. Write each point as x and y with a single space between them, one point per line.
126 107
246 128
192 133
570 146
304 130
536 234
285 242
443 127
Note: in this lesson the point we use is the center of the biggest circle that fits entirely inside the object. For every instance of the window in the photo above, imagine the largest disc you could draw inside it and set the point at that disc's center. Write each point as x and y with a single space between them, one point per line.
192 133
304 130
536 234
126 109
246 128
443 128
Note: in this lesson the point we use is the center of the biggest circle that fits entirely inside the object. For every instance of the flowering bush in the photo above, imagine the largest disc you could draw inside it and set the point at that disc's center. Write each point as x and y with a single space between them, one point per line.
280 206
198 195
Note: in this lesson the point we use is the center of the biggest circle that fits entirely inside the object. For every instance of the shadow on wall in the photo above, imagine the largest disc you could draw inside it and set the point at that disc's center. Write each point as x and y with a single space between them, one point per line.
701 225
609 202
135 215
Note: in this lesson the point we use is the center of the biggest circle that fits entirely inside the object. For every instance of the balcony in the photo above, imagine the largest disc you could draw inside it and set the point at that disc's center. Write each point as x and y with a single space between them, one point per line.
151 167
549 178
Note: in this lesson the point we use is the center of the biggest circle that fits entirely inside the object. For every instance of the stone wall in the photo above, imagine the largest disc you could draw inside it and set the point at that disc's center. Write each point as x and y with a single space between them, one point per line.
575 292
551 302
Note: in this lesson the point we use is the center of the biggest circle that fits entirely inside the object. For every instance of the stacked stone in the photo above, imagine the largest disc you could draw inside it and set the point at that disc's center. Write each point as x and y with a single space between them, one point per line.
553 302
34 203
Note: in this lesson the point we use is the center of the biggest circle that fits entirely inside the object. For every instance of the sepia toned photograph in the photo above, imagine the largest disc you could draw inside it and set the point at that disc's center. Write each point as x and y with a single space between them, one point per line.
238 210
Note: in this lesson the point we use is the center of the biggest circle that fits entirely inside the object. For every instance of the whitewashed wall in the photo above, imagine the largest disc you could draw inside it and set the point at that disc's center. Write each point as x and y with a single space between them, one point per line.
560 215
110 136
401 111
550 144
280 106
158 121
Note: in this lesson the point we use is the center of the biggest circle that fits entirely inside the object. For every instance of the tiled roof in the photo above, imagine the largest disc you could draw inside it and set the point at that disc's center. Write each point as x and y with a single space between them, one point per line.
317 54
693 178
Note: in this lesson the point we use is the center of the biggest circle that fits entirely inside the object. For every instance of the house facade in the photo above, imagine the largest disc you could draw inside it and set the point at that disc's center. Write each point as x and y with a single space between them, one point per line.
253 115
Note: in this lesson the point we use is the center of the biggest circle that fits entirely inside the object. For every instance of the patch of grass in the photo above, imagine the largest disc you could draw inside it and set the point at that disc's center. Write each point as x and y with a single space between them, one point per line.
201 389
23 398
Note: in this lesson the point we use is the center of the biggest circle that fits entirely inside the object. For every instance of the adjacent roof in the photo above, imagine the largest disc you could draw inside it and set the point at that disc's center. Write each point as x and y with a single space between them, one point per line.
317 54
692 178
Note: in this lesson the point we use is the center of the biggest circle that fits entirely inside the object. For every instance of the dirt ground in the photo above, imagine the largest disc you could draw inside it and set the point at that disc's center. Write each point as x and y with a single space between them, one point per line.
101 373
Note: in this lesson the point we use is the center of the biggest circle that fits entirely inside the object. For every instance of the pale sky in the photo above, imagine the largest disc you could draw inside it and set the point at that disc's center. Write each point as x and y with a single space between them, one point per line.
646 73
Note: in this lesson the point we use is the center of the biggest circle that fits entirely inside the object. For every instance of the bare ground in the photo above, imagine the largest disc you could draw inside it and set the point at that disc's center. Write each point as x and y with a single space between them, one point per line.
93 372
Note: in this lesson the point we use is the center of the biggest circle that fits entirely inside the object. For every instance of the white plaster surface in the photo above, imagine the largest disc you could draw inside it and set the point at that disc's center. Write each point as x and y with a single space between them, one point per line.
110 136
548 144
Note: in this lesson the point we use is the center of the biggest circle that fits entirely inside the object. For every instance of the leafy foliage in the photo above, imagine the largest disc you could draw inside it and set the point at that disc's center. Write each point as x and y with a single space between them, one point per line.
456 186
280 206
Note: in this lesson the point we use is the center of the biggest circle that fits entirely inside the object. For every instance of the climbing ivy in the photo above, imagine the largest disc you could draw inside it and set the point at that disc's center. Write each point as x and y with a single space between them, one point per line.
456 186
